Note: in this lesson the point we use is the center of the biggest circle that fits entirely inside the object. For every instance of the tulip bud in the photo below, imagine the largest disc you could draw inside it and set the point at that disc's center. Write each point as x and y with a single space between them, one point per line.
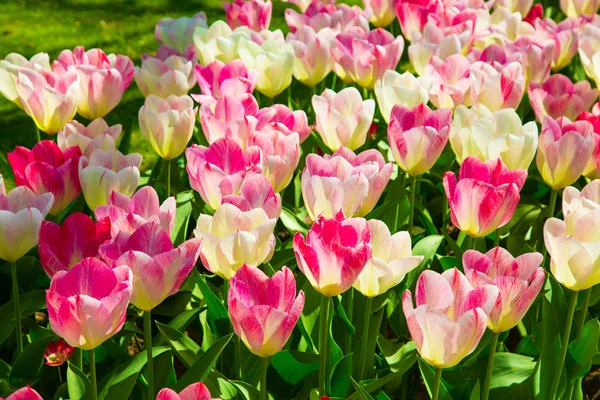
169 73
395 89
229 117
57 353
255 14
312 54
97 135
9 72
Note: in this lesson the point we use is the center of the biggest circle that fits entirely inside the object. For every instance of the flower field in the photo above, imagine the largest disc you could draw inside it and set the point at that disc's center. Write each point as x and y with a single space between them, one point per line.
301 199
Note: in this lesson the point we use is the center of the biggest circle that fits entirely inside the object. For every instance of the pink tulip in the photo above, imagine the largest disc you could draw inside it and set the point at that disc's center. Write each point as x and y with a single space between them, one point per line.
21 216
559 97
413 15
384 11
264 310
418 136
434 42
50 99
312 54
320 15
26 393
102 78
63 246
47 169
157 267
537 57
564 151
536 12
451 80
218 79
97 135
334 253
88 304
9 71
576 8
256 192
365 56
280 118
519 280
195 391
218 170
178 33
485 196
229 117
497 88
57 353
108 171
255 14
126 215
592 170
450 317
565 36
588 199
521 6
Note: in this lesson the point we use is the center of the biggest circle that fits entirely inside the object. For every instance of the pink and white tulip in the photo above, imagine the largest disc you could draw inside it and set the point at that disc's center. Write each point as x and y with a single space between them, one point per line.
229 117
178 33
418 136
521 6
325 14
343 119
26 393
576 8
451 80
592 170
255 14
195 391
588 198
264 310
400 89
497 89
21 216
47 169
413 15
312 54
450 317
565 35
383 11
334 252
219 42
9 72
167 73
589 51
88 304
256 192
538 56
485 196
218 79
97 135
280 118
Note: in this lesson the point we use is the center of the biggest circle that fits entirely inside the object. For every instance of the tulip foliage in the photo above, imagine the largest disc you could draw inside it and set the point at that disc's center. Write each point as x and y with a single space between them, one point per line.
389 201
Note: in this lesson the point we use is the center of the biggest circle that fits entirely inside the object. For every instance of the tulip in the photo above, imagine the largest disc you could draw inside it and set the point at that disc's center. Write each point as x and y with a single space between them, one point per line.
480 133
47 169
168 124
384 12
344 181
280 118
88 304
229 117
280 155
48 98
536 12
57 353
102 78
588 199
97 135
451 80
21 215
232 238
404 90
195 391
390 261
521 6
256 192
504 26
418 136
365 56
253 294
343 118
312 54
564 150
456 309
63 246
273 62
26 393
537 57
169 73
592 169
9 72
433 42
255 14
2 187
218 170
576 8
304 4
497 89
178 33
107 171
320 15
485 196
412 15
127 215
559 97
219 42
565 36
218 79
589 50
519 280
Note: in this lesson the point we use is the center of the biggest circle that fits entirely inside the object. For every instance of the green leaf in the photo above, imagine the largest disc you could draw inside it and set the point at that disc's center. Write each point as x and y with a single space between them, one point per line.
182 217
362 393
427 248
550 352
218 316
291 221
77 383
180 323
428 373
126 137
400 357
476 392
119 383
582 350
282 257
201 368
248 391
511 369
185 348
340 376
293 366
26 368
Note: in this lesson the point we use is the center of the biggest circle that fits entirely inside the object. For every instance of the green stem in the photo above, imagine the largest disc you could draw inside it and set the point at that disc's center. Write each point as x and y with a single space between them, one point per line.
17 304
551 207
323 342
497 238
238 359
579 327
225 290
365 93
334 81
413 189
402 178
349 314
564 346
435 391
263 378
148 347
92 362
77 358
37 134
490 367
168 177
364 343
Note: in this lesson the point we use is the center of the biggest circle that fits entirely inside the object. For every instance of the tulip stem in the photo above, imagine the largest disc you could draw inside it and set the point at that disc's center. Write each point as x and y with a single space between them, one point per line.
238 358
148 346
497 238
365 339
77 358
168 177
323 341
17 304
564 346
37 134
349 314
490 367
413 189
92 362
263 378
579 327
435 390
